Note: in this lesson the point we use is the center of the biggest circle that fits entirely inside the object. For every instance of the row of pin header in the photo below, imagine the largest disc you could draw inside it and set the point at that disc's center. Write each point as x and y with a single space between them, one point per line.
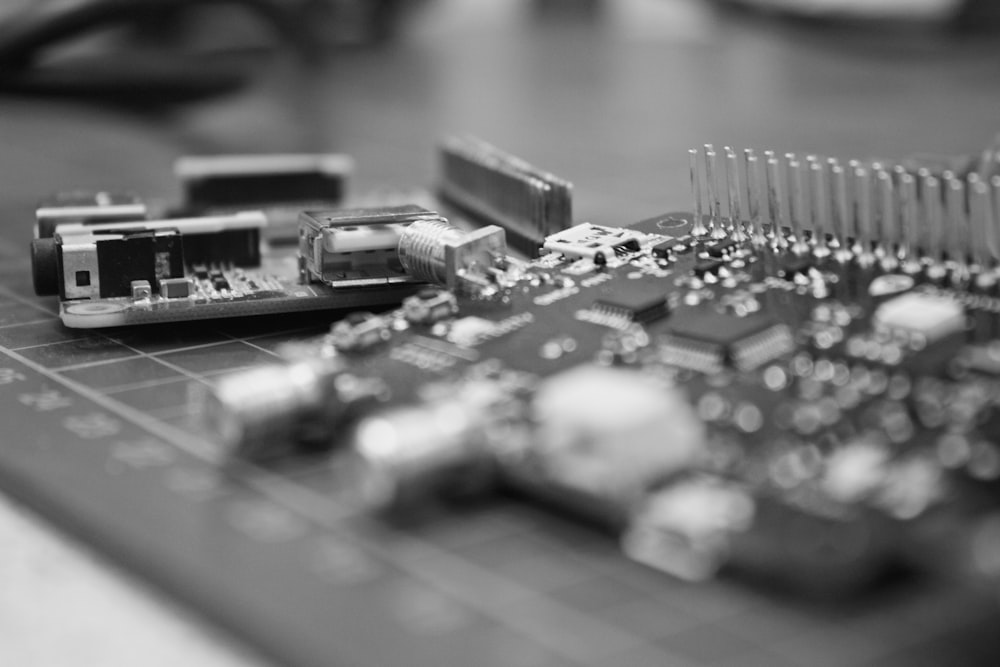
502 189
852 210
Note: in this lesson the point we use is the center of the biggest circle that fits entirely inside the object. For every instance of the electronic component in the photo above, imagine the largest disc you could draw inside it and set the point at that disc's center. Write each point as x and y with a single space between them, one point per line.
101 260
213 266
686 528
932 318
706 267
141 289
602 435
86 265
663 249
359 331
86 208
269 409
705 340
402 456
280 185
436 251
597 243
498 188
639 305
854 211
175 288
357 247
238 180
429 305
722 249
257 411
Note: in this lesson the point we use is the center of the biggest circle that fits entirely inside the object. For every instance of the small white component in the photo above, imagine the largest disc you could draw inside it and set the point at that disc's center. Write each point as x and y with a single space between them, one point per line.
141 289
429 306
855 471
470 330
932 317
365 238
609 432
592 241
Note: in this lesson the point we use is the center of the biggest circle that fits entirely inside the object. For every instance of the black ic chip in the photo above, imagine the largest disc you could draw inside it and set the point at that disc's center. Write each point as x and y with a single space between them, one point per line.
706 266
663 249
706 340
641 304
722 248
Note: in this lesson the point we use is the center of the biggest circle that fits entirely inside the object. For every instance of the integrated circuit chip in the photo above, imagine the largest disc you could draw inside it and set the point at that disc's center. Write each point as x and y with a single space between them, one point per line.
594 242
925 315
706 340
636 304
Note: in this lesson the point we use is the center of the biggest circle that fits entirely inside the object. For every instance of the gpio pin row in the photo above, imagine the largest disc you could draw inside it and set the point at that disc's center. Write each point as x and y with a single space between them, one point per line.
852 210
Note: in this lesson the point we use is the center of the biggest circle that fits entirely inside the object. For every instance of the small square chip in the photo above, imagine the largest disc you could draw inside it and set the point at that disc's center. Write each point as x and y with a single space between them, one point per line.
175 288
706 340
638 303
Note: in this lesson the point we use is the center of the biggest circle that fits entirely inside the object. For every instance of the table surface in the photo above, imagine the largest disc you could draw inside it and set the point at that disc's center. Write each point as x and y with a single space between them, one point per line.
609 96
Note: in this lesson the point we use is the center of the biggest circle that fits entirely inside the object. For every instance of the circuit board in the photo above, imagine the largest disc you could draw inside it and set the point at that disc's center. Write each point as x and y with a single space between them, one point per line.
559 423
229 250
227 292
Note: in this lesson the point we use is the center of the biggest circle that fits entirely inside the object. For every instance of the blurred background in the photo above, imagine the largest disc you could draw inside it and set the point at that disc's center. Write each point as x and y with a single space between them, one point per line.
607 94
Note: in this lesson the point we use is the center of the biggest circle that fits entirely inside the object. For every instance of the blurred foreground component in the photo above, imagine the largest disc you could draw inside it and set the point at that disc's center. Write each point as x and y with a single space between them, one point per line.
262 411
588 440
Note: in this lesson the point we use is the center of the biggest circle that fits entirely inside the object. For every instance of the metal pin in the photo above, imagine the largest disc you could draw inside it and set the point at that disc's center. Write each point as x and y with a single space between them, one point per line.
888 230
958 221
735 205
993 226
753 197
979 217
987 160
809 200
793 172
910 218
769 186
698 227
820 208
774 191
792 191
809 203
862 211
933 217
714 202
852 201
841 211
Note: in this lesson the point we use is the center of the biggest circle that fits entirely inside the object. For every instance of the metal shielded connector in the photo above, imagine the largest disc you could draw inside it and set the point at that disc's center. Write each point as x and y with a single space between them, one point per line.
356 247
